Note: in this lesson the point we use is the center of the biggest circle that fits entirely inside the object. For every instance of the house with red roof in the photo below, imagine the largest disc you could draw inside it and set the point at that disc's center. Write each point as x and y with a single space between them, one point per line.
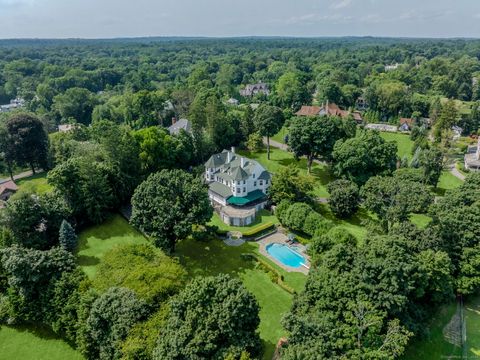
328 109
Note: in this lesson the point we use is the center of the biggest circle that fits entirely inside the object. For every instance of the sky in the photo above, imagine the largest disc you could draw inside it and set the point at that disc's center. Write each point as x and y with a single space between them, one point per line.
226 18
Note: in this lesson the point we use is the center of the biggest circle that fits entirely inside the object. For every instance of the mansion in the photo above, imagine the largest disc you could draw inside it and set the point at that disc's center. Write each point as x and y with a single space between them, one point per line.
237 187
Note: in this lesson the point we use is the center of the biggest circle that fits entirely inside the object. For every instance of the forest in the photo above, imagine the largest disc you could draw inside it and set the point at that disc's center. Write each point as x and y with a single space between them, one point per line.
392 235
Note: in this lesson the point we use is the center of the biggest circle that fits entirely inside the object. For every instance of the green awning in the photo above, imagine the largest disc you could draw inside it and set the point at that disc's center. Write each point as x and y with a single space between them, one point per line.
251 197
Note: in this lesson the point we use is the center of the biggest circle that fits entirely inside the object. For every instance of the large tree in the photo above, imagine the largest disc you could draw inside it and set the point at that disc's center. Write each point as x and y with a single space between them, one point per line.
211 318
315 137
76 103
168 204
268 121
291 90
289 184
28 141
364 156
344 198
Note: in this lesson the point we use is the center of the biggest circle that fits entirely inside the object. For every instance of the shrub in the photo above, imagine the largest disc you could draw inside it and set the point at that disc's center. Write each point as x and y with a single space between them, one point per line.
314 223
296 215
258 229
281 210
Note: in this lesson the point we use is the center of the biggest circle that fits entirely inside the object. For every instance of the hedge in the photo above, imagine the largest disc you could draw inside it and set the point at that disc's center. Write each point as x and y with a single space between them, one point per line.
273 273
258 229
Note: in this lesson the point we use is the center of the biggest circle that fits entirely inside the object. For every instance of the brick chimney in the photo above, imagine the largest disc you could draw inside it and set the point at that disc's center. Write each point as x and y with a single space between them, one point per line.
174 120
242 162
233 149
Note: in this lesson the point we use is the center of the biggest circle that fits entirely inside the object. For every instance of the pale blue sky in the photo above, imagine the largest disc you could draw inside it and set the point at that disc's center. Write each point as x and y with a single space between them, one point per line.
118 18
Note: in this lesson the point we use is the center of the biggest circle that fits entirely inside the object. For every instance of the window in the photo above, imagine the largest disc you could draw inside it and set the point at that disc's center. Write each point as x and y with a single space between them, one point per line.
254 176
261 182
244 182
244 189
254 183
238 182
266 182
238 190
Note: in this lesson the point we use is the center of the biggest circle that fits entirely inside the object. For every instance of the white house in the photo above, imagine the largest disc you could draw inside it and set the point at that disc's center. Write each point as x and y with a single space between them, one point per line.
254 89
237 186
14 104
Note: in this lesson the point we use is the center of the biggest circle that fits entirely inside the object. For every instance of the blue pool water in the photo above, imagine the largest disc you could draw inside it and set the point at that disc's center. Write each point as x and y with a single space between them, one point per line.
285 255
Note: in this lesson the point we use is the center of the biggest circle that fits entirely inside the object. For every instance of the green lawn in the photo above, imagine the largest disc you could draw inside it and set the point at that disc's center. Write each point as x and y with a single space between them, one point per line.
96 241
447 181
472 318
421 220
404 144
281 158
280 136
34 184
436 346
263 217
214 257
29 343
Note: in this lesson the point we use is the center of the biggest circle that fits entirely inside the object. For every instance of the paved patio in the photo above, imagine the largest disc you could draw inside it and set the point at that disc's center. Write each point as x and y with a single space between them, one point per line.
281 238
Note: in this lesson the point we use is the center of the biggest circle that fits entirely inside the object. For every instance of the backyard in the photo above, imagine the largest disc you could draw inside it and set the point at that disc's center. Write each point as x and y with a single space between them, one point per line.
203 259
34 184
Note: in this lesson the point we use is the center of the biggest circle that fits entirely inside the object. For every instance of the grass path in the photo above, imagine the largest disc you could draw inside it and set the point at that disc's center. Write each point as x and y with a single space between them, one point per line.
29 343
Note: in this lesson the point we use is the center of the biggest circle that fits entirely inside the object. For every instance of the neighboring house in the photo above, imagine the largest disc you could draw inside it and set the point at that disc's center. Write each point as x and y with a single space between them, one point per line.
361 104
233 102
178 125
14 104
7 189
472 157
382 127
406 124
328 109
254 89
392 67
237 187
66 127
457 132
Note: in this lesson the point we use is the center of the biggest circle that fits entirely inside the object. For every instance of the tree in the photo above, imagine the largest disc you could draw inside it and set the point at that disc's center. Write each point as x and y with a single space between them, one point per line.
288 184
255 142
291 91
344 198
314 137
28 141
268 121
295 216
364 156
431 163
111 317
447 118
85 185
77 103
210 319
142 268
168 204
393 199
34 220
67 237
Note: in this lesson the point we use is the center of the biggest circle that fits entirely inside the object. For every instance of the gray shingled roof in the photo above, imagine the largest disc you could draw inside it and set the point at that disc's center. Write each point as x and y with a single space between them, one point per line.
220 189
184 124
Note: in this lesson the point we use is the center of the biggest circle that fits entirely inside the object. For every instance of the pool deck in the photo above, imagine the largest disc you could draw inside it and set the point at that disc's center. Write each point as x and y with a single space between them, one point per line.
280 238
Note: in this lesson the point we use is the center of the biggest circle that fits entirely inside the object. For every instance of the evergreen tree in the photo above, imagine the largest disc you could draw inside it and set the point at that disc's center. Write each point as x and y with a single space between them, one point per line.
67 236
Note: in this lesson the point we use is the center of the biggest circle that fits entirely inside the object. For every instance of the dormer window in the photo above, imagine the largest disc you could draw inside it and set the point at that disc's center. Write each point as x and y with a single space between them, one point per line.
254 175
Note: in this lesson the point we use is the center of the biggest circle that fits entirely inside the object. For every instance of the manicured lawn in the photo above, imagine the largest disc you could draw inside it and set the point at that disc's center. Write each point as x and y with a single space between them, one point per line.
96 241
472 318
421 220
34 184
214 257
263 217
447 181
280 136
29 343
280 158
404 144
436 346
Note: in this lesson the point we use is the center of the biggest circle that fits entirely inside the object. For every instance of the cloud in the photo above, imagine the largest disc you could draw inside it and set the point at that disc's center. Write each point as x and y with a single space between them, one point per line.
340 4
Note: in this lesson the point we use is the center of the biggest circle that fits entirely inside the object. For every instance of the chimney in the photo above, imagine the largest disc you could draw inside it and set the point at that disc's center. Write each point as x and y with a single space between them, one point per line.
229 156
174 120
242 162
233 149
478 149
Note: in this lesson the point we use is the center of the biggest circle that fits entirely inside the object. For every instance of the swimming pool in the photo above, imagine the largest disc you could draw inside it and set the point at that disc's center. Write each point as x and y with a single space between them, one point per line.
286 255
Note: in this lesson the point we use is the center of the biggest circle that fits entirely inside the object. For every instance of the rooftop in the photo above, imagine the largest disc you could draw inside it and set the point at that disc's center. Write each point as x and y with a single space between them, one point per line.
177 126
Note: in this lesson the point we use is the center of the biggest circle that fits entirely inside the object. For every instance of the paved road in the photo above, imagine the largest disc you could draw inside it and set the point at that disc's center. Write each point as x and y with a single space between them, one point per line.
456 173
21 175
